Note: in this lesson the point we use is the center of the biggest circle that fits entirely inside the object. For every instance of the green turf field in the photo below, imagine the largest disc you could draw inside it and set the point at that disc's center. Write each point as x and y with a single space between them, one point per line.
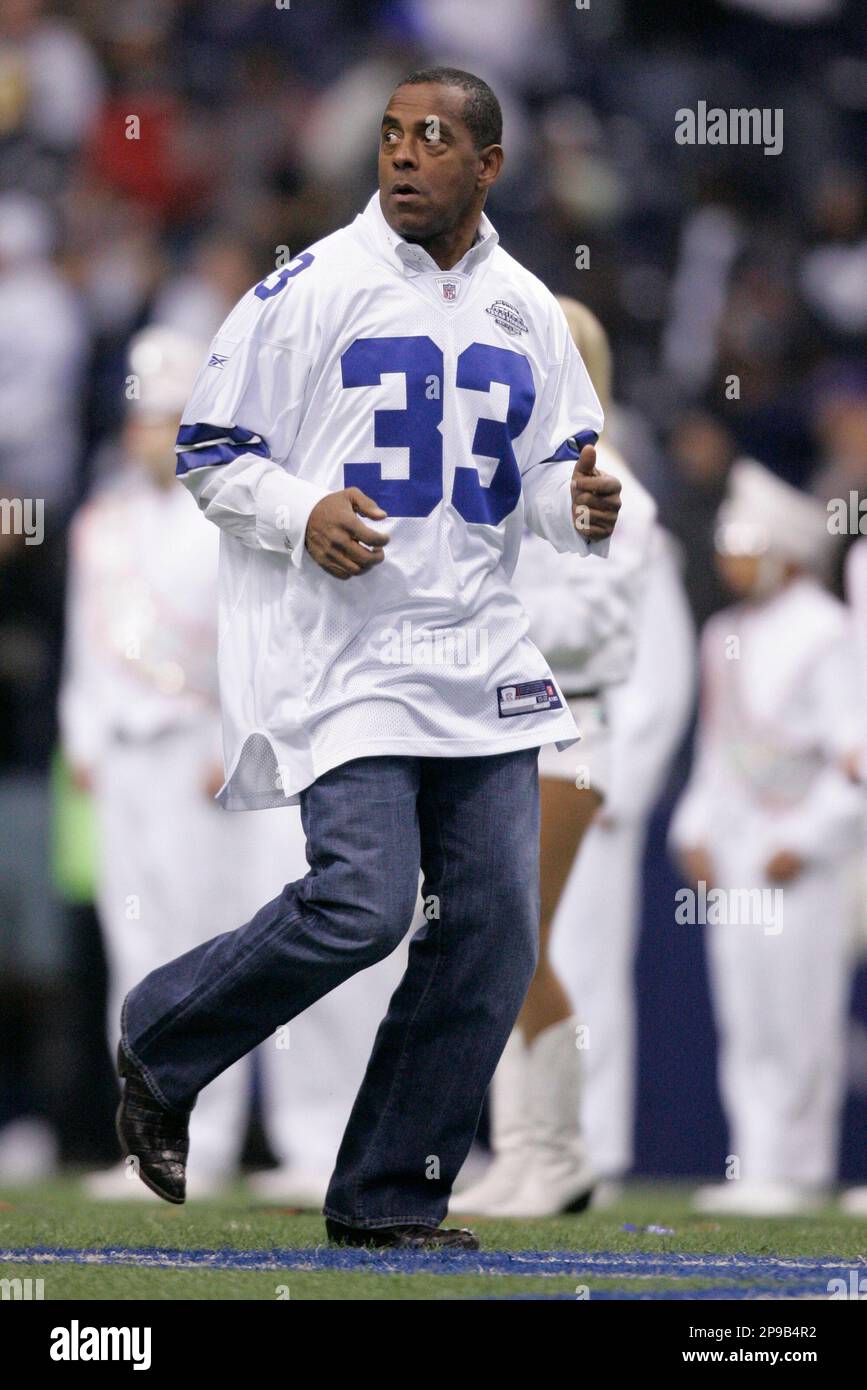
238 1249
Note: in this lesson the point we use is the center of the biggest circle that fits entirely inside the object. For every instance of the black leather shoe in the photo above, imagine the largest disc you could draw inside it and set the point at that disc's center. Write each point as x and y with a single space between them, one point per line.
158 1139
401 1237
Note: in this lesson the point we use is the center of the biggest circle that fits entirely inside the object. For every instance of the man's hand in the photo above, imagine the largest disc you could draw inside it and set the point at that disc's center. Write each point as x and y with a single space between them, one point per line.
212 779
338 541
81 777
784 866
697 865
595 498
852 764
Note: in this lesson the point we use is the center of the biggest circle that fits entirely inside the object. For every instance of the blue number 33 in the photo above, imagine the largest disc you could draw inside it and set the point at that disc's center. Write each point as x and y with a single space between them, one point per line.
416 428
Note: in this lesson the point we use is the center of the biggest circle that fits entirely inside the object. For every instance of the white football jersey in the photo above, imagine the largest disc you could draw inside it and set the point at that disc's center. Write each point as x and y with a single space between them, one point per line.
457 401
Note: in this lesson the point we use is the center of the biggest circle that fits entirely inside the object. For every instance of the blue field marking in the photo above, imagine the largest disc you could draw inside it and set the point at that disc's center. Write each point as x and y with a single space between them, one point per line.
746 1276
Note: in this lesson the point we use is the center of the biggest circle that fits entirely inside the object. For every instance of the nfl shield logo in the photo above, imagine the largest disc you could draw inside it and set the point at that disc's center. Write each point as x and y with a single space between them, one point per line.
448 289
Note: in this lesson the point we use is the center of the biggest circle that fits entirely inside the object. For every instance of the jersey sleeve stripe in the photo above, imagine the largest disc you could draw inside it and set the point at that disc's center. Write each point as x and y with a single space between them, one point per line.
203 446
571 447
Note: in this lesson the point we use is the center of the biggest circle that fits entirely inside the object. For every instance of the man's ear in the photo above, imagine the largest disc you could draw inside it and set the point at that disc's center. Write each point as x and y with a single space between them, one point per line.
490 165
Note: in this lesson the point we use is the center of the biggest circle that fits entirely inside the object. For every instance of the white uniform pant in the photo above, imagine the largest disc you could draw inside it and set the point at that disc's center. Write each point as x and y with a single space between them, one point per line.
172 875
593 952
781 1007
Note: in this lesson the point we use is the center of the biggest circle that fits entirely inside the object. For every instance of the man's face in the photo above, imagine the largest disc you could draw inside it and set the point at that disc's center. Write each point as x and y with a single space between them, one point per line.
429 168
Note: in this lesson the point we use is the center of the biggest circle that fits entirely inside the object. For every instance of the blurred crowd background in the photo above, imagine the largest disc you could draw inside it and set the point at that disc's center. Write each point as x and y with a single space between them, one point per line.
257 131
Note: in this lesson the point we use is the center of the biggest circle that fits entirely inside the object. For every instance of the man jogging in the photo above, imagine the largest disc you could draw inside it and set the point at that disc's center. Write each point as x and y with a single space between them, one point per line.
376 423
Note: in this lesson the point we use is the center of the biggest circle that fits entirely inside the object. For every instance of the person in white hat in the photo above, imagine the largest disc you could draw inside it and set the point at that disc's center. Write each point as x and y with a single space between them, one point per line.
584 618
766 834
141 727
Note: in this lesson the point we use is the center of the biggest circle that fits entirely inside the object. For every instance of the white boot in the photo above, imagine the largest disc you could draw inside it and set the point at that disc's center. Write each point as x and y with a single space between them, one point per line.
120 1184
854 1202
294 1187
608 1192
746 1197
117 1184
510 1136
557 1177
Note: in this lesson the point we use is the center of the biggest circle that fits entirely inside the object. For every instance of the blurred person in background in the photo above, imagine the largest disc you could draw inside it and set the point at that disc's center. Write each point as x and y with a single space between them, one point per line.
151 144
840 396
343 123
141 728
43 342
855 1200
33 948
833 271
765 349
514 41
768 807
51 89
199 296
596 929
700 449
584 618
711 239
140 722
42 346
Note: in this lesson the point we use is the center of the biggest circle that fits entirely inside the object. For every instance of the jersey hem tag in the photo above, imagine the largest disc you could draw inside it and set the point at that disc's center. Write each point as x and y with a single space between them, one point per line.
527 697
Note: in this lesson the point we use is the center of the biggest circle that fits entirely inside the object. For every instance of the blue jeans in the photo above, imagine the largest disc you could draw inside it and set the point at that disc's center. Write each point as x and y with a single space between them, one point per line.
472 825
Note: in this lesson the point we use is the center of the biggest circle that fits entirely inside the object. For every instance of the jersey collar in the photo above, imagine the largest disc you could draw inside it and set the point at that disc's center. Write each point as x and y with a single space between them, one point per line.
414 260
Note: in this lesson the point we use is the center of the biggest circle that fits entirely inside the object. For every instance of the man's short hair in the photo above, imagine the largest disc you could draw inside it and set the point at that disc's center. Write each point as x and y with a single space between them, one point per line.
481 114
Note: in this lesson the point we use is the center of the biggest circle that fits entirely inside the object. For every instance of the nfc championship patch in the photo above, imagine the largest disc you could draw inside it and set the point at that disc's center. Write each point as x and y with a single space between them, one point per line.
507 317
527 697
